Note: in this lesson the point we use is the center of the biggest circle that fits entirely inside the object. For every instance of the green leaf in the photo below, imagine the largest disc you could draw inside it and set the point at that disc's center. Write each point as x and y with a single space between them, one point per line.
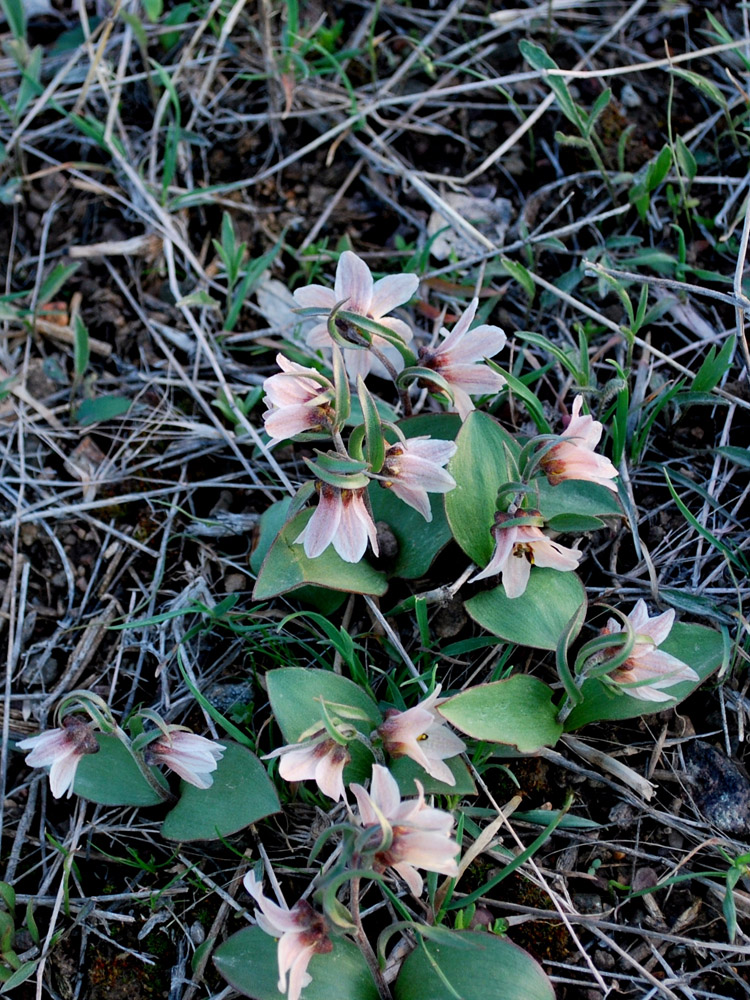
685 158
153 9
248 962
8 895
94 411
714 367
272 521
658 169
15 15
406 771
81 350
375 445
521 275
577 497
485 460
740 456
241 794
700 647
517 711
22 973
54 281
706 86
536 56
286 567
295 694
419 541
538 617
112 777
574 523
496 969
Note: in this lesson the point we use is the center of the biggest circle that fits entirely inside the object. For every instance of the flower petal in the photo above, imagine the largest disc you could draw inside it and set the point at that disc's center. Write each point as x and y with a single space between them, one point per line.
353 283
392 291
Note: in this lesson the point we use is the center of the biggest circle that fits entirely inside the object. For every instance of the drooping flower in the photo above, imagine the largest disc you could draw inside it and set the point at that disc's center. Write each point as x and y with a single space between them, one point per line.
647 668
301 931
341 517
61 750
574 457
368 298
413 468
421 734
419 835
192 757
320 759
518 548
297 400
458 359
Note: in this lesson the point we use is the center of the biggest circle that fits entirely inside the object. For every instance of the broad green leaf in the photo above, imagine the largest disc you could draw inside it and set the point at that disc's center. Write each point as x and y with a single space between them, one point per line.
495 969
538 617
517 711
112 777
485 461
419 541
93 411
295 694
241 794
272 521
576 496
248 962
81 349
286 567
700 647
685 158
406 771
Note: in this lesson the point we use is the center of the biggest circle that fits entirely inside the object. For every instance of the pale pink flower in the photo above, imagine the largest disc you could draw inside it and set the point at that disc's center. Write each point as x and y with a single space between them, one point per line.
301 931
61 750
421 734
320 759
365 297
649 667
341 517
574 457
192 757
419 834
413 468
518 548
458 359
296 400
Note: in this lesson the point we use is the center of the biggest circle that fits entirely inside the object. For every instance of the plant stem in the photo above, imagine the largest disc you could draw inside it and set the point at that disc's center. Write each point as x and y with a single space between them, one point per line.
364 944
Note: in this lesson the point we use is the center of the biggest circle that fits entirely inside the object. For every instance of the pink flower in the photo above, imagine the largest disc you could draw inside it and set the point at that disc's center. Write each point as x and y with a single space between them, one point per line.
419 835
61 749
192 757
574 457
370 299
457 359
647 667
421 734
320 759
520 547
413 468
301 931
341 517
297 399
